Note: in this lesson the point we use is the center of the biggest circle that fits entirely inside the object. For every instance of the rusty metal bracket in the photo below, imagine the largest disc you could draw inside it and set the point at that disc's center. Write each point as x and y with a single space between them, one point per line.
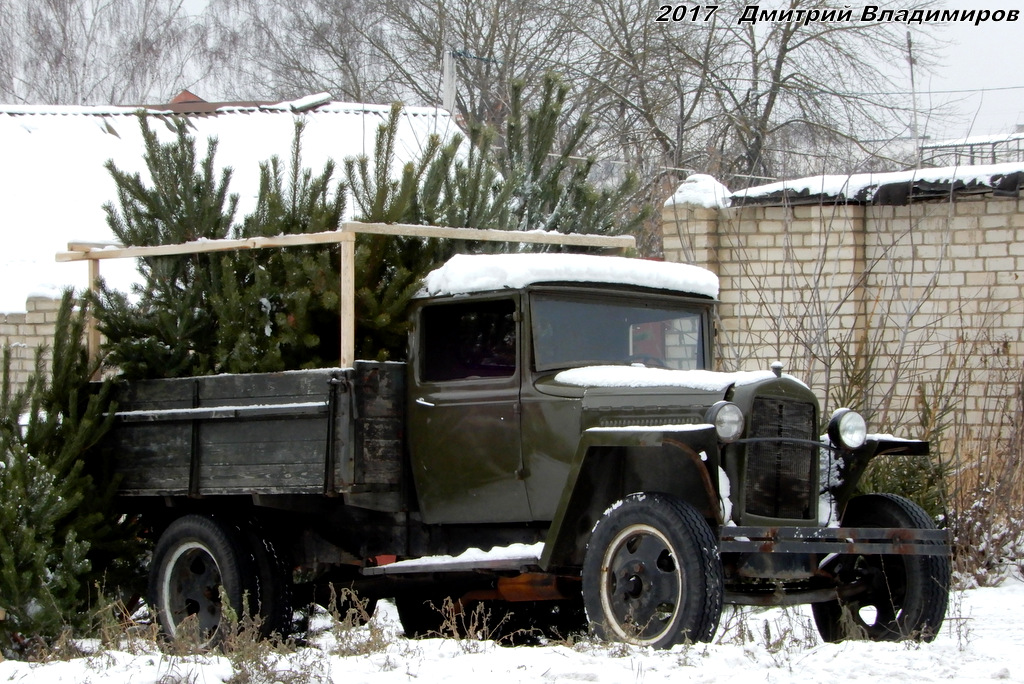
824 540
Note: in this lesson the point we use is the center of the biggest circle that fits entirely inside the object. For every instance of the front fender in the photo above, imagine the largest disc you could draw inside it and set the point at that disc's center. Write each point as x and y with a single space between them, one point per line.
611 462
855 462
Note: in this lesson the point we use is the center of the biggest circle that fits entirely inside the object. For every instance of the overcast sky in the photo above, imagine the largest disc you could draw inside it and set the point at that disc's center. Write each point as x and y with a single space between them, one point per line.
984 62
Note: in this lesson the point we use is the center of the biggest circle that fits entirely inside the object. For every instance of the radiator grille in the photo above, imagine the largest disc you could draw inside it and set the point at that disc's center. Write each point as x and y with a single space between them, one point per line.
780 475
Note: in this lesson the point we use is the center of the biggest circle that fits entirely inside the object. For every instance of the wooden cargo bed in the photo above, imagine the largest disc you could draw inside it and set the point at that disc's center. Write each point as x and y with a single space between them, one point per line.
324 431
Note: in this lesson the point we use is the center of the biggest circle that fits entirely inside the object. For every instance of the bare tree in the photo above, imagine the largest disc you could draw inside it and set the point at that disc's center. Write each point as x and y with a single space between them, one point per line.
95 51
286 48
734 99
493 43
827 82
716 92
384 50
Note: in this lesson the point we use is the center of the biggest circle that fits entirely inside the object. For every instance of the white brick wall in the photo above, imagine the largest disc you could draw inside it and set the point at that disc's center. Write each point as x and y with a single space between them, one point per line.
25 332
926 298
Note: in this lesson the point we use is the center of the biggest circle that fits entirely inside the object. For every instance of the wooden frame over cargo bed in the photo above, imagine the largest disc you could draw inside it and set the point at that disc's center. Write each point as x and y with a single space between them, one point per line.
344 237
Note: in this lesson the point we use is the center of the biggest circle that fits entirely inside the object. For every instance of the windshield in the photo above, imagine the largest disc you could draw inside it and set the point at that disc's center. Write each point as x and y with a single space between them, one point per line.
572 330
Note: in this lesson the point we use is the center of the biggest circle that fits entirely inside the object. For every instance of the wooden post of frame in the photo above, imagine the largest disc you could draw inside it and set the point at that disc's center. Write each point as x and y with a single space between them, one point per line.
92 332
348 300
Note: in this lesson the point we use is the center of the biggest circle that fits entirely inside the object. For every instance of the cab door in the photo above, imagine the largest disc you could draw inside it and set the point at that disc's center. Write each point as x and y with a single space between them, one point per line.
464 411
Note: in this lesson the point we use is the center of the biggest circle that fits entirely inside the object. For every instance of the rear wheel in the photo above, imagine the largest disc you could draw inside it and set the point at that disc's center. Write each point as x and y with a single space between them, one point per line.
198 564
421 617
887 597
528 622
652 575
510 623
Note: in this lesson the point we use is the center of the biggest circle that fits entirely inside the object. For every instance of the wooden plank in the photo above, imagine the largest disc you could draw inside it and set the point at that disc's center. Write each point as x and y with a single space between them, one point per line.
262 388
613 242
243 442
228 390
380 426
143 441
273 479
155 394
229 413
78 251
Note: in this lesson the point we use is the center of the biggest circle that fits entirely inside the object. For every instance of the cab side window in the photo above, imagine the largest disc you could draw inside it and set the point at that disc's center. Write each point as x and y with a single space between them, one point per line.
468 340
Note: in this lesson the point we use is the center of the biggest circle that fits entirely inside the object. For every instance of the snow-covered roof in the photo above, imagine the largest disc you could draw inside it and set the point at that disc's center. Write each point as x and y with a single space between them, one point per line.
888 188
701 190
463 274
53 184
993 139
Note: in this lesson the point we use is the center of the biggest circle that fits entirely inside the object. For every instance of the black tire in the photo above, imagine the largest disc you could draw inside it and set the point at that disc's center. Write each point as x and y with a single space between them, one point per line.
271 582
651 574
900 597
530 622
421 617
196 561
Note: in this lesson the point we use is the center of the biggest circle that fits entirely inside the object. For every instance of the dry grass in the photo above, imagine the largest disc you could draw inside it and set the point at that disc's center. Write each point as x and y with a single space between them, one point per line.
987 512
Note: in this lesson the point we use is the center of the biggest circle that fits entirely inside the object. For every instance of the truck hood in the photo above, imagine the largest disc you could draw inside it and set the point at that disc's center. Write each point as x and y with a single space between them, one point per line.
638 395
609 385
624 377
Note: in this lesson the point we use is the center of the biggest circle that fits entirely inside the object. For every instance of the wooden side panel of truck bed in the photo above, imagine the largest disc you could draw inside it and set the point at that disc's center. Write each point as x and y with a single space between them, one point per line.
324 431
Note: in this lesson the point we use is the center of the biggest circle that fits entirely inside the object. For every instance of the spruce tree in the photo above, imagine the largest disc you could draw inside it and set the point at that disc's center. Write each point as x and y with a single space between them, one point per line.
550 187
278 309
59 539
387 268
265 311
170 329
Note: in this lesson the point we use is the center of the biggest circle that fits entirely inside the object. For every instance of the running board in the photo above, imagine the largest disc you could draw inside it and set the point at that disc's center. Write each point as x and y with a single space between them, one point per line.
899 541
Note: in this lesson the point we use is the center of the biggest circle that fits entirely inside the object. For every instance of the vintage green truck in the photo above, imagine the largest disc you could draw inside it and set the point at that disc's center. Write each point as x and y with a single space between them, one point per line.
556 448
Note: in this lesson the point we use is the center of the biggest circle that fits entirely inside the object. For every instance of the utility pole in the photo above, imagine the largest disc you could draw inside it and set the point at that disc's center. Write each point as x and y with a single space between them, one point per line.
448 80
913 104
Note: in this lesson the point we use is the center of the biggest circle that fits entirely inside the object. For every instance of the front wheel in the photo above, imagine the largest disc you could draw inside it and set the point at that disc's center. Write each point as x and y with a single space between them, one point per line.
651 574
886 597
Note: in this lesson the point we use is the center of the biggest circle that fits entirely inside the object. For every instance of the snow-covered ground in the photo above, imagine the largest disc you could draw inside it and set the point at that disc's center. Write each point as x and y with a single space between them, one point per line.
981 641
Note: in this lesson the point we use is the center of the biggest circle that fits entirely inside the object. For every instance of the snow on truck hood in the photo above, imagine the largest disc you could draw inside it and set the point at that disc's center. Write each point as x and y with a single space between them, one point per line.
641 376
464 273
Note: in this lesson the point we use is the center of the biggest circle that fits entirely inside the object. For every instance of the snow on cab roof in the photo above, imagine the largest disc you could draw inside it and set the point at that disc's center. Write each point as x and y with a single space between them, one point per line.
464 273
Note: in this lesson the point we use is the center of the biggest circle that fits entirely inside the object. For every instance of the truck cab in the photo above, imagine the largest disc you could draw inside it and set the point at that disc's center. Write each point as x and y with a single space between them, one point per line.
492 397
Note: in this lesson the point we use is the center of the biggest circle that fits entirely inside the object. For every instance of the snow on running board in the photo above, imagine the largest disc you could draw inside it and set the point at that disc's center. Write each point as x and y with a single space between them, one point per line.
512 557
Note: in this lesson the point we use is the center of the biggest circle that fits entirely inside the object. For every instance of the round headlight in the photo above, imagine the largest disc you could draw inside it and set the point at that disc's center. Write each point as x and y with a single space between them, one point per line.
847 429
727 419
